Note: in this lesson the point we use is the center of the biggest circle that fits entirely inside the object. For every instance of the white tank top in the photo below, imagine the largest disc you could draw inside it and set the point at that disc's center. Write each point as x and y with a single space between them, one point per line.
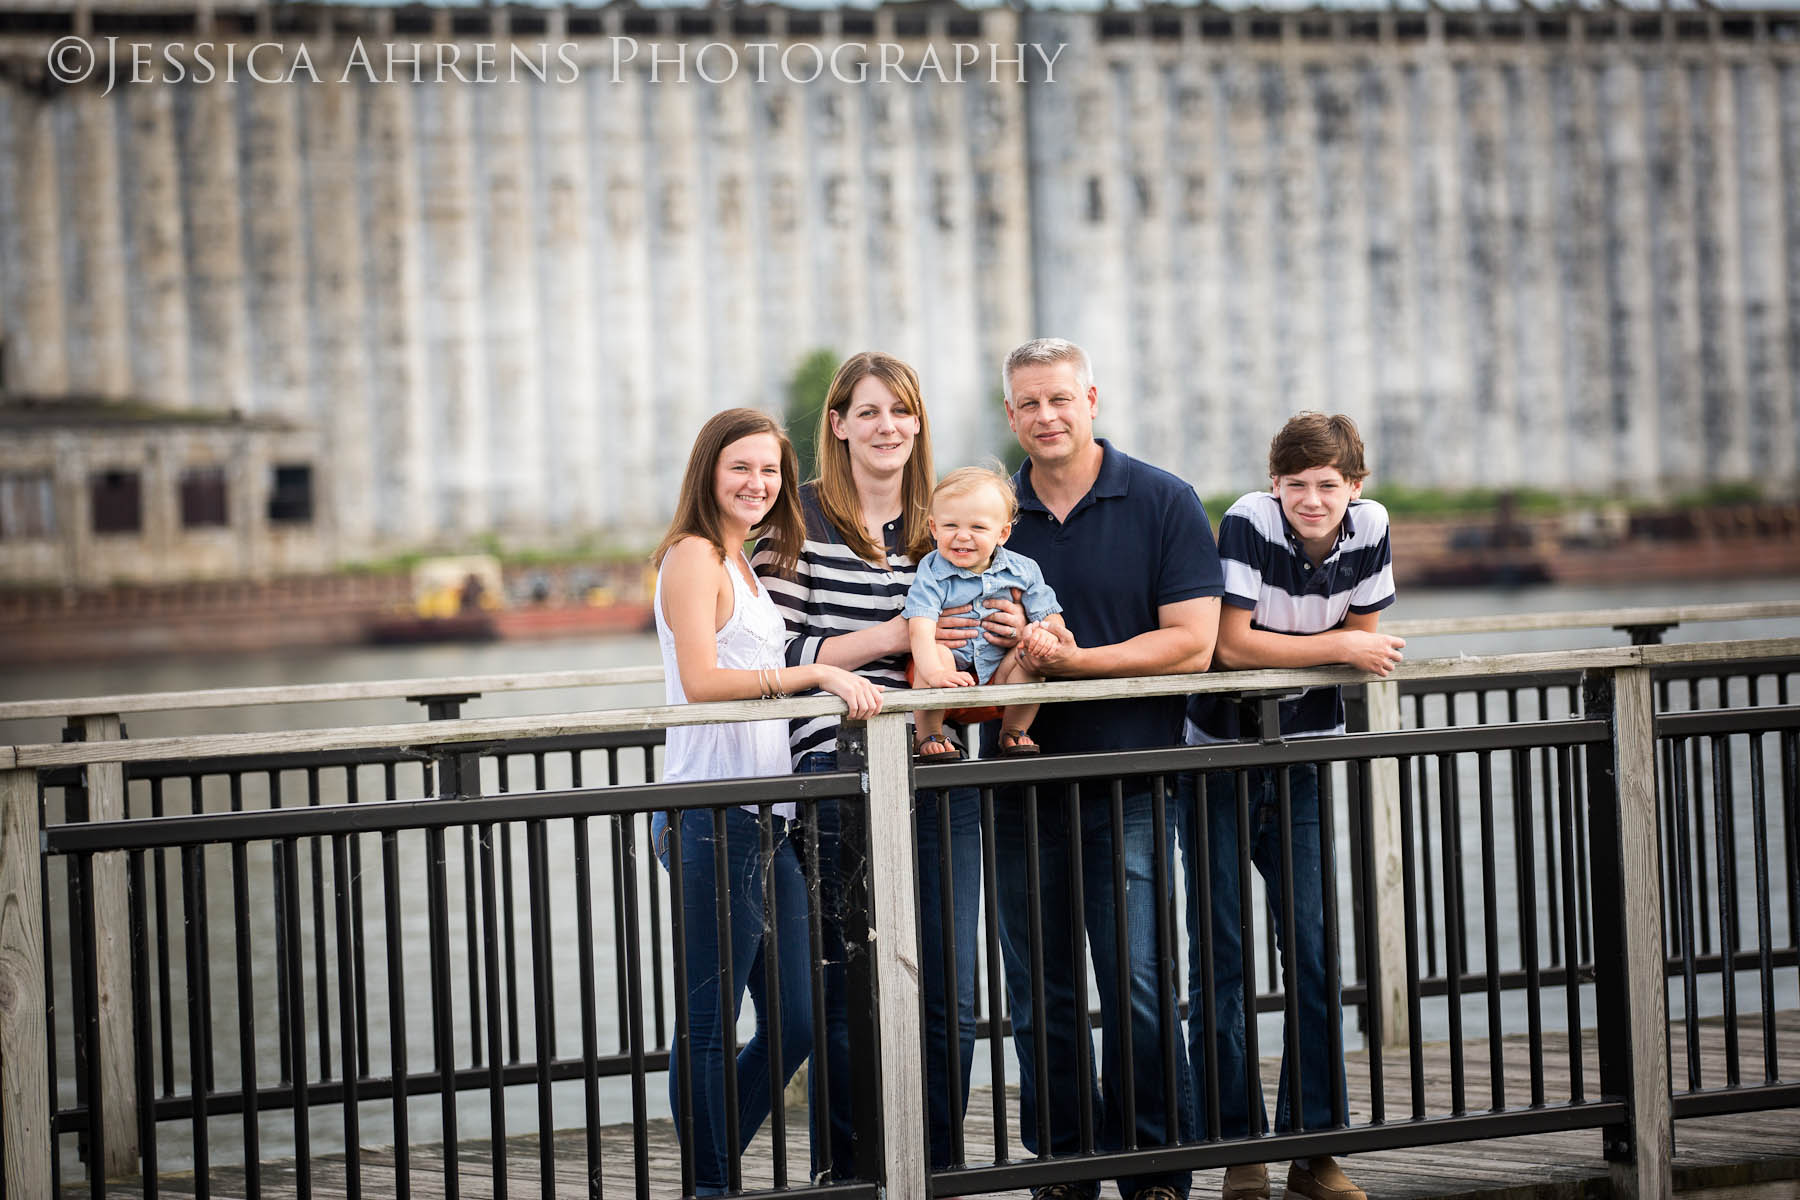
753 636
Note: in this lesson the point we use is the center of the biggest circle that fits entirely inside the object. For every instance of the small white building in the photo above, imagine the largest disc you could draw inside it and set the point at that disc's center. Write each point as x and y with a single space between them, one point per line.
93 493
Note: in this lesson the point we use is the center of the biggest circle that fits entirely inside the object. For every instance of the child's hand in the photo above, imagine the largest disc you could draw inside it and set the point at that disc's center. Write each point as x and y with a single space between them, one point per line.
944 679
1035 639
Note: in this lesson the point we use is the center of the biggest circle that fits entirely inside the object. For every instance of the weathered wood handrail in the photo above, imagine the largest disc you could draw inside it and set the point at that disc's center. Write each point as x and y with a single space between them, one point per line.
319 693
1617 688
475 729
471 685
1593 618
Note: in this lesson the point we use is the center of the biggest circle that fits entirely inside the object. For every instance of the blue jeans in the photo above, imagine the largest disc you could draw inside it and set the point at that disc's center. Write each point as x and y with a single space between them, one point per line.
753 932
1319 1008
832 1151
1160 1102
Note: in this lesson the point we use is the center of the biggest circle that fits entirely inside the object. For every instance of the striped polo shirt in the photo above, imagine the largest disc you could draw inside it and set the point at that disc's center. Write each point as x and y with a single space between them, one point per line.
1266 571
833 591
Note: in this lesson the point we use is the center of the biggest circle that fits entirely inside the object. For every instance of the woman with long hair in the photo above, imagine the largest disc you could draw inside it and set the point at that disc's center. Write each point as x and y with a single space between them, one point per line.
722 639
865 516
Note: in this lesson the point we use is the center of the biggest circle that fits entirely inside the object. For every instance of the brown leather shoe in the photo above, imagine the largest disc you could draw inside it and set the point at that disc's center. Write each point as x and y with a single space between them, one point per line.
1322 1179
1246 1181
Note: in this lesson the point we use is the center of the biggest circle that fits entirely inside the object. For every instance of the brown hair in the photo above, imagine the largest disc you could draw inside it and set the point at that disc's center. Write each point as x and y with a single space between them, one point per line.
1312 439
697 509
837 488
964 480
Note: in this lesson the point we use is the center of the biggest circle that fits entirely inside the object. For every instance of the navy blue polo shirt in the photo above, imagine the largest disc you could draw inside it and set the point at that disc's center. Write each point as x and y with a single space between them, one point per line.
1138 540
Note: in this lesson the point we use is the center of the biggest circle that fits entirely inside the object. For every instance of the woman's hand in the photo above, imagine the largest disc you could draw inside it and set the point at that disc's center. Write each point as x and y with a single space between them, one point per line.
1004 625
861 698
956 627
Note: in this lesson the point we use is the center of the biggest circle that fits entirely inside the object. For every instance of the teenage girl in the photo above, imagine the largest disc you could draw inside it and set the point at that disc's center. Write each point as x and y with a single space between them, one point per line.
722 639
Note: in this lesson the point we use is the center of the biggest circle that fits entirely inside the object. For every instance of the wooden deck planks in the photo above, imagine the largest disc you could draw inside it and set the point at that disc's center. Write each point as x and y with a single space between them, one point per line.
1714 1152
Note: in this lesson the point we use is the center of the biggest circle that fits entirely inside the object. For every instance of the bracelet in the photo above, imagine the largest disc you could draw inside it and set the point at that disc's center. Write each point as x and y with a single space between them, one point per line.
762 682
779 690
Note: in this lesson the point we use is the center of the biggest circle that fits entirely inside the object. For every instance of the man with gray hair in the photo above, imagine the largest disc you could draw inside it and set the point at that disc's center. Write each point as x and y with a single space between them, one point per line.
1129 551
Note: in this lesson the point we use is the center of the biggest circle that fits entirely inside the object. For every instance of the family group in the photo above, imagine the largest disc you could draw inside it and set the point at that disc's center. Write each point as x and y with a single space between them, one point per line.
1086 563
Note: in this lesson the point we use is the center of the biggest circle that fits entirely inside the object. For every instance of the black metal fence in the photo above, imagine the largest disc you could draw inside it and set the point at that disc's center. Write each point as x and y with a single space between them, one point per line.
379 950
338 949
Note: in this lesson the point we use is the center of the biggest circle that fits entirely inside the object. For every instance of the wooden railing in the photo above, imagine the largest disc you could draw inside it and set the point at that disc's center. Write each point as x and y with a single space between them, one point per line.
23 1042
424 689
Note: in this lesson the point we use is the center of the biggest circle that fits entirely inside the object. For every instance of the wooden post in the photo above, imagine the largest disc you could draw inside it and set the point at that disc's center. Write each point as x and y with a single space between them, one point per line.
1628 967
24 1045
112 958
1386 888
894 939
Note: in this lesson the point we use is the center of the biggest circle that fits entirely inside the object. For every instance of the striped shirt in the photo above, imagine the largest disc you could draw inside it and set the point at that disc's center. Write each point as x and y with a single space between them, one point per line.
833 592
1266 571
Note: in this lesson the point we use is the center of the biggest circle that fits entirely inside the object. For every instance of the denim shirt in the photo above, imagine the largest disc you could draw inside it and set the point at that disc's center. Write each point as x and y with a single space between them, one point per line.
941 584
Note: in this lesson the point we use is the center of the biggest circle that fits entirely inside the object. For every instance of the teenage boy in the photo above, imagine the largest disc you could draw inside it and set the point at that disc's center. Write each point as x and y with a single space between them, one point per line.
1307 572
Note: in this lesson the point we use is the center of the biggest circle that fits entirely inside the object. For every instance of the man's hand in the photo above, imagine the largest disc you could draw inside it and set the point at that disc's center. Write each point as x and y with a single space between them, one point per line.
1376 653
1057 659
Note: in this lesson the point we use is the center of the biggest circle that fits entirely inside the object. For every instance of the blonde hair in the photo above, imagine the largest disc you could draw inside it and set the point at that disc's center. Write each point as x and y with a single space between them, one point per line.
835 485
964 480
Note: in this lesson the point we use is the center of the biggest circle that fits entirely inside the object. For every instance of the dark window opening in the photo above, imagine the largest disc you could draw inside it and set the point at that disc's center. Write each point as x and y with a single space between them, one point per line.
291 494
140 23
117 500
27 506
910 25
203 497
856 24
36 24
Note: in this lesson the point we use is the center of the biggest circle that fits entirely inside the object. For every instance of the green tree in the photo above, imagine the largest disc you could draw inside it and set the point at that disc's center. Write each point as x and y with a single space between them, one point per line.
806 396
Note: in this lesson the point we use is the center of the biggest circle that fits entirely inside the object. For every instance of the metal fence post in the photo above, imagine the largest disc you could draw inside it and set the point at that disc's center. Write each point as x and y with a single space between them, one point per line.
1629 994
24 1046
1386 889
884 980
112 958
